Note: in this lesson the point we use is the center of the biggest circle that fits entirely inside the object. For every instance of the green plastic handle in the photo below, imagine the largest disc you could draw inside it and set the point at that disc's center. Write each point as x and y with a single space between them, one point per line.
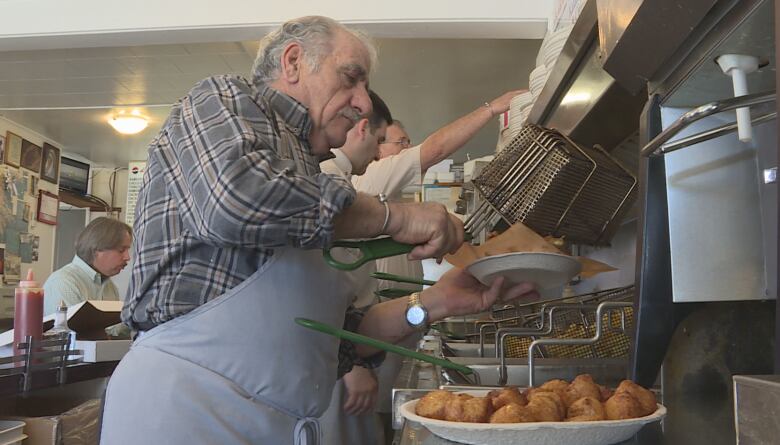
370 250
389 347
393 292
400 279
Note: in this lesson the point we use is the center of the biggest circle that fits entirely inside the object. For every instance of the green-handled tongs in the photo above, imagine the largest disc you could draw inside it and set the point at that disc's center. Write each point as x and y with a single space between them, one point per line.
370 250
362 339
400 279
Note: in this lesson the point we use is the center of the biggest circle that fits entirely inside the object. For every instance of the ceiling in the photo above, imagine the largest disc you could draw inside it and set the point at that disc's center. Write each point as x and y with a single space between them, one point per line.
67 95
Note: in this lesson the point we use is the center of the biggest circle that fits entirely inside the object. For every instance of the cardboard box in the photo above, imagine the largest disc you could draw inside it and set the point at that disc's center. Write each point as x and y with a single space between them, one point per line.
103 350
88 319
77 425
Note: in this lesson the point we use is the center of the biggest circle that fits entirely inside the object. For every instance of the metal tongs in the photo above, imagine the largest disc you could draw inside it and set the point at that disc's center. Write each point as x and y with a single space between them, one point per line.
370 250
379 344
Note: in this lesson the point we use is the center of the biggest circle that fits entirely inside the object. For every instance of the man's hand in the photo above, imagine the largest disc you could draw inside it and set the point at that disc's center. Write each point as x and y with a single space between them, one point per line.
429 225
458 293
362 389
501 103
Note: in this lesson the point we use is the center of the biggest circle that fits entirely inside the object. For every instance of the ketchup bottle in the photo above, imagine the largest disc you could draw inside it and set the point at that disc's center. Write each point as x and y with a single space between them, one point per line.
28 311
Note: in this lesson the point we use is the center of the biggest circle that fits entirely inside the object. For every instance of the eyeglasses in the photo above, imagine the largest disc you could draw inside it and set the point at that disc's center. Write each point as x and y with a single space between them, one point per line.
403 142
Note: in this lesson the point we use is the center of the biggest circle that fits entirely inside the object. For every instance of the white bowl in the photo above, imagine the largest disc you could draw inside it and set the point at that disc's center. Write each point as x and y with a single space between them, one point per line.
547 270
605 432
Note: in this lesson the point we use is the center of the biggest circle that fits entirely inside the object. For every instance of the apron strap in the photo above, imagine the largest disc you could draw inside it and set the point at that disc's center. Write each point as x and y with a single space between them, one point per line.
302 429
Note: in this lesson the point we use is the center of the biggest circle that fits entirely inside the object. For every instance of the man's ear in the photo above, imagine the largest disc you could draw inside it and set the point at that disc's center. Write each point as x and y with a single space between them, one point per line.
362 128
292 59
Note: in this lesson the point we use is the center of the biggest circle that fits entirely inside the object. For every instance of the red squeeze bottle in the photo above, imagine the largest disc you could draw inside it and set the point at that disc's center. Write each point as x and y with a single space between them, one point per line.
28 310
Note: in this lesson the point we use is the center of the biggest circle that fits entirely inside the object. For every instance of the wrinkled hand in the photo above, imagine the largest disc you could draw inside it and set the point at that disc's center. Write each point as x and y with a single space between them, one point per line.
362 389
466 295
501 103
429 225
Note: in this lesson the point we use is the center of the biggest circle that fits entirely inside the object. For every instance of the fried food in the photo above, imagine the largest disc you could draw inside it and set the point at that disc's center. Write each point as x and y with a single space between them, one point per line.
465 408
512 413
645 397
546 406
582 400
433 404
582 386
622 406
503 397
557 386
606 393
586 409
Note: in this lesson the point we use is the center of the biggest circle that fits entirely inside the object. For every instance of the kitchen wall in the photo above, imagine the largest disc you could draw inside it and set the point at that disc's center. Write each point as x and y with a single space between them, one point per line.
43 267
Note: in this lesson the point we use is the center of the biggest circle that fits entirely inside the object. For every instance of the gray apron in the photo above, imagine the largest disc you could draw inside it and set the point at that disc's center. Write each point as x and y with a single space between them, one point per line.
236 369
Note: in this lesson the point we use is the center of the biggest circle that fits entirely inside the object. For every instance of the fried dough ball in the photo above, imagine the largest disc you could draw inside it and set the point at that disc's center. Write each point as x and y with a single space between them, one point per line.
645 397
557 386
469 409
586 409
622 406
432 405
512 413
503 397
546 406
606 393
582 386
454 407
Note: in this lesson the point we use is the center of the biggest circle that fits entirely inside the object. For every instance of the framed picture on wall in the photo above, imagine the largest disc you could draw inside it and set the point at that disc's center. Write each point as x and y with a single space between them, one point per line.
13 149
2 148
48 204
50 166
31 156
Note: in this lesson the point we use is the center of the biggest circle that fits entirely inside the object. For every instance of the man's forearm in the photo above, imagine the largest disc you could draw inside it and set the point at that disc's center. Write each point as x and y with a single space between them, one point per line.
450 138
363 219
387 321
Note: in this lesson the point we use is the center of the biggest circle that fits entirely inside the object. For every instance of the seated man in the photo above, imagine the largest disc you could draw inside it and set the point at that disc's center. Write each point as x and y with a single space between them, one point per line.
102 251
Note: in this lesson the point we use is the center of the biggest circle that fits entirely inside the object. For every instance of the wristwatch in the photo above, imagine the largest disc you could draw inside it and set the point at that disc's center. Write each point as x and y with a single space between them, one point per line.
416 314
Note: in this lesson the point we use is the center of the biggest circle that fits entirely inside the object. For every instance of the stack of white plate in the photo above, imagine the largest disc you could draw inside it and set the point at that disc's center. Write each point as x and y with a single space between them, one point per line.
537 79
519 107
552 46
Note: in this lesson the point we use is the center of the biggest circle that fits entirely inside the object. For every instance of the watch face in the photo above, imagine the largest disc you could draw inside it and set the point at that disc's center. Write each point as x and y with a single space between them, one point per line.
415 315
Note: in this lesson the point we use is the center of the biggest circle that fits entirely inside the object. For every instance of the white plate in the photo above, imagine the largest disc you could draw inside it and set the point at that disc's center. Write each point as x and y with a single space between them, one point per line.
547 270
605 432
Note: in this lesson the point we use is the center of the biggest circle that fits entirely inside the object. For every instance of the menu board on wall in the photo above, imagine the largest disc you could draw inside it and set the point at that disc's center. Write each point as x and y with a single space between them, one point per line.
135 176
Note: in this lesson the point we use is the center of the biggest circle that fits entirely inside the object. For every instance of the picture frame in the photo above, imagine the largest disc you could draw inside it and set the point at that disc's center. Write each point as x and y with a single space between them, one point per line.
48 205
13 149
2 148
31 156
50 163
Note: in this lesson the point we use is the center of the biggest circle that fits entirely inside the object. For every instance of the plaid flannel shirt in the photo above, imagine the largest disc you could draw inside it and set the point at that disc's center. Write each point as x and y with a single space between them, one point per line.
220 192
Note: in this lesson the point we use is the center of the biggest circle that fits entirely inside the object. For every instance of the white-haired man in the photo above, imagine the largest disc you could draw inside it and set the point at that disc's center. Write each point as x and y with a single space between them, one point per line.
230 217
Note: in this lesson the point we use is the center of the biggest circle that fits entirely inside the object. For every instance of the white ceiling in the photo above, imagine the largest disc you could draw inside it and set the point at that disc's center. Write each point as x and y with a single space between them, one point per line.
67 95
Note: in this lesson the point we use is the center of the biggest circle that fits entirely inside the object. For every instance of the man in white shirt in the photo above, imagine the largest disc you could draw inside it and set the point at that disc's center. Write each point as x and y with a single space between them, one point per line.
399 166
402 165
350 417
102 251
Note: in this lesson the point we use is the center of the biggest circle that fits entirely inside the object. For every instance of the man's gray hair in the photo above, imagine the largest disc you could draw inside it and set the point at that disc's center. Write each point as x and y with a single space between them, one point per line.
313 33
101 234
398 123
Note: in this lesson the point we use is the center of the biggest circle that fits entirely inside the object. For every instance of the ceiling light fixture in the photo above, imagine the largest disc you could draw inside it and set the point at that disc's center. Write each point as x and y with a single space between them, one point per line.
128 123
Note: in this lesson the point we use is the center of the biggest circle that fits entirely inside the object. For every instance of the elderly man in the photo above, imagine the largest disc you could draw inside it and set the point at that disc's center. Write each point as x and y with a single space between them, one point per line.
231 214
102 251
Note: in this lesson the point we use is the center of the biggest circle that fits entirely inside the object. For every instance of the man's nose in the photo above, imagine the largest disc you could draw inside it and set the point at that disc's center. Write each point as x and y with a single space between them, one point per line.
361 101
